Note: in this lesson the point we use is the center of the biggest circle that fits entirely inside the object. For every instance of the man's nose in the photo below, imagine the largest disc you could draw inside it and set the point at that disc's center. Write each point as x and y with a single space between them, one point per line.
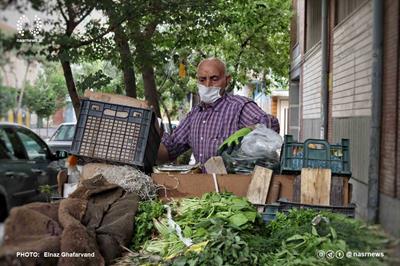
208 82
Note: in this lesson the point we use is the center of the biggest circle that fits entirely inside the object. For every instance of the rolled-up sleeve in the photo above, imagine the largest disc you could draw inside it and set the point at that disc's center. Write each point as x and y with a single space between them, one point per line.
252 114
178 142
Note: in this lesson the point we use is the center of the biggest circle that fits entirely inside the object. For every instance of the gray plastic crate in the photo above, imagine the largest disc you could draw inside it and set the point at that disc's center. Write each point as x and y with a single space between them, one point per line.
116 133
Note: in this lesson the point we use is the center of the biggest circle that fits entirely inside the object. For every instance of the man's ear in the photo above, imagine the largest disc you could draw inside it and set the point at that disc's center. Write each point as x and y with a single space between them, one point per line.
228 79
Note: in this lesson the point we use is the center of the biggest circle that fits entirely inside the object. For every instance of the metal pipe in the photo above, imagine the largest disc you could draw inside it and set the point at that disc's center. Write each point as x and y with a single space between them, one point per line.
324 70
376 98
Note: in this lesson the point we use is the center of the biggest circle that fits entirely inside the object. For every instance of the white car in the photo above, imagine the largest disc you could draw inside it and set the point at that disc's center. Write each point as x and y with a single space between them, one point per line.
62 137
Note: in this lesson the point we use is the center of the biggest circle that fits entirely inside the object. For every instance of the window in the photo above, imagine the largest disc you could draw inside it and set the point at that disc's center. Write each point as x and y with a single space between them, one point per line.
6 148
35 149
344 7
313 23
64 133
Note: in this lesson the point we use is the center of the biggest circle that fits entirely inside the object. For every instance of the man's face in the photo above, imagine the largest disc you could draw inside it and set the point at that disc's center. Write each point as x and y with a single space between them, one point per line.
211 74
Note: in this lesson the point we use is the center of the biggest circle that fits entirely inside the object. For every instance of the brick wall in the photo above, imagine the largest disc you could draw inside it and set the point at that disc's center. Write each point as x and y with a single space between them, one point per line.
390 104
58 117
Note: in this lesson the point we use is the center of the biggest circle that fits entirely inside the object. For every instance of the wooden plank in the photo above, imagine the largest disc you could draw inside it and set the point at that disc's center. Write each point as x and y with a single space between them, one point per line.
285 188
215 165
346 192
89 170
336 191
315 186
350 194
115 99
258 189
296 189
275 191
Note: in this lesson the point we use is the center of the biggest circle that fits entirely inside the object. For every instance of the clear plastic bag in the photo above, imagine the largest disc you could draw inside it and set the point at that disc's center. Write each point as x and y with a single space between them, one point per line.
259 147
261 142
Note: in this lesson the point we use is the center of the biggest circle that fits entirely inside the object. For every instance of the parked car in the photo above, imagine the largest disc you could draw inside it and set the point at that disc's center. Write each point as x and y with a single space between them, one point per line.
62 137
26 164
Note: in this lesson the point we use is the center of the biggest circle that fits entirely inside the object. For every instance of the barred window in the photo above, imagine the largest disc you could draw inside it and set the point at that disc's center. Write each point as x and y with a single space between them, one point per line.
343 8
313 23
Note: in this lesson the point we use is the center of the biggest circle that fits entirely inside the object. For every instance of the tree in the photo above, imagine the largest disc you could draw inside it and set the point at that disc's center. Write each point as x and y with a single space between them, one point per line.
8 98
41 100
252 36
48 93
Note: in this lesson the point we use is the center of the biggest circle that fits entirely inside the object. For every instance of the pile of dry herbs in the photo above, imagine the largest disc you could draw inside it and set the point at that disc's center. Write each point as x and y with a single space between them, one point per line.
222 229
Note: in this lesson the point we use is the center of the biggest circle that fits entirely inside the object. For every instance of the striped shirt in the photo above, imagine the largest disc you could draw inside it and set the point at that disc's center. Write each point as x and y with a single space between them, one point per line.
206 127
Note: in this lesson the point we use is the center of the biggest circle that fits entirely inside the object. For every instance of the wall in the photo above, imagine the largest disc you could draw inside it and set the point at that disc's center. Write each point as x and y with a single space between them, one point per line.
352 61
351 95
312 84
311 97
390 151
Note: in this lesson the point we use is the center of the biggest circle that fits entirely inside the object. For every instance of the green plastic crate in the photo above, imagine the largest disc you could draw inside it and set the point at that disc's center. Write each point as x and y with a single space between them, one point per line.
315 153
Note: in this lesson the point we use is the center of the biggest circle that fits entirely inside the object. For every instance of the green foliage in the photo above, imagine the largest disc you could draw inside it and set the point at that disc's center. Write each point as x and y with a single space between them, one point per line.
227 230
41 100
48 93
148 210
251 36
8 98
98 76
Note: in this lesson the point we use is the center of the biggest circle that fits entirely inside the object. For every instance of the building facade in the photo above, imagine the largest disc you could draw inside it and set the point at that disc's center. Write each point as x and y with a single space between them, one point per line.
349 51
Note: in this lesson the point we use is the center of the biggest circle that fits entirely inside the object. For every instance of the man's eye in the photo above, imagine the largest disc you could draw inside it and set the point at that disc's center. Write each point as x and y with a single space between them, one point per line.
214 78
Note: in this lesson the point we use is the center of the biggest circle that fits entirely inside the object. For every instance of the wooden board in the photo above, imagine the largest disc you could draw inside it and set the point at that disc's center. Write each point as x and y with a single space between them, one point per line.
275 190
259 185
315 186
296 189
115 99
89 170
337 191
215 165
285 189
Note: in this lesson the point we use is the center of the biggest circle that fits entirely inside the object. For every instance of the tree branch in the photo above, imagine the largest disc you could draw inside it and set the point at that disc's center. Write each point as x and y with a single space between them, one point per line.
62 11
85 15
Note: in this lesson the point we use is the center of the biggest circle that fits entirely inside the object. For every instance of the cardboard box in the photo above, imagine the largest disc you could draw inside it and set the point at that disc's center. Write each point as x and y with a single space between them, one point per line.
195 185
178 185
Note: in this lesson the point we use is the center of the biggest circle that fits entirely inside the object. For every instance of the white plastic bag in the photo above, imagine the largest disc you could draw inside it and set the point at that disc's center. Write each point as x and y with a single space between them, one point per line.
261 142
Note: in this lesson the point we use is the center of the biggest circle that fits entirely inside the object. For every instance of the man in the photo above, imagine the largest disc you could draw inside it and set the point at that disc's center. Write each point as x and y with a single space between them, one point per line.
219 118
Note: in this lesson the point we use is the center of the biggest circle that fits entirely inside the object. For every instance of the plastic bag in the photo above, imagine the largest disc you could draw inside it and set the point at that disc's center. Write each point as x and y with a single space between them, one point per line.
261 142
259 147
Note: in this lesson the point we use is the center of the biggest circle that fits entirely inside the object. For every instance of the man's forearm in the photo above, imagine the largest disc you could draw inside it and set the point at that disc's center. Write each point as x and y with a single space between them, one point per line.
163 155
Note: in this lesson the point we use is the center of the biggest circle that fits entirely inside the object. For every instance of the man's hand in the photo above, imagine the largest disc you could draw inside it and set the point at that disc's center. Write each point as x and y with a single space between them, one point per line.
233 140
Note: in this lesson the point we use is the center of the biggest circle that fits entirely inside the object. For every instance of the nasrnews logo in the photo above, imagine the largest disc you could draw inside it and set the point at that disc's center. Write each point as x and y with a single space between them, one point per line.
29 30
339 254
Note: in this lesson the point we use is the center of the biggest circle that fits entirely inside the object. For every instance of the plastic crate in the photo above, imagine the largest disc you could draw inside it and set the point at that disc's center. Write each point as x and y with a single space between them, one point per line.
116 133
349 211
315 153
270 210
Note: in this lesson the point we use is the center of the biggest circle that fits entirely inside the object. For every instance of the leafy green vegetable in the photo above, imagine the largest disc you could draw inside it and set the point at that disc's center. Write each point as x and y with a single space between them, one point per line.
227 230
144 226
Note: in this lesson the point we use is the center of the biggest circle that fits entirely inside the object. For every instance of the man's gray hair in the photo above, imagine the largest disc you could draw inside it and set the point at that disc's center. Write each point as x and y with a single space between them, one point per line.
214 59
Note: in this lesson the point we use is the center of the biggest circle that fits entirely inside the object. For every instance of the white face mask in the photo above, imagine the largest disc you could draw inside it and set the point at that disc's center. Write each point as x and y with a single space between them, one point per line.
208 94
